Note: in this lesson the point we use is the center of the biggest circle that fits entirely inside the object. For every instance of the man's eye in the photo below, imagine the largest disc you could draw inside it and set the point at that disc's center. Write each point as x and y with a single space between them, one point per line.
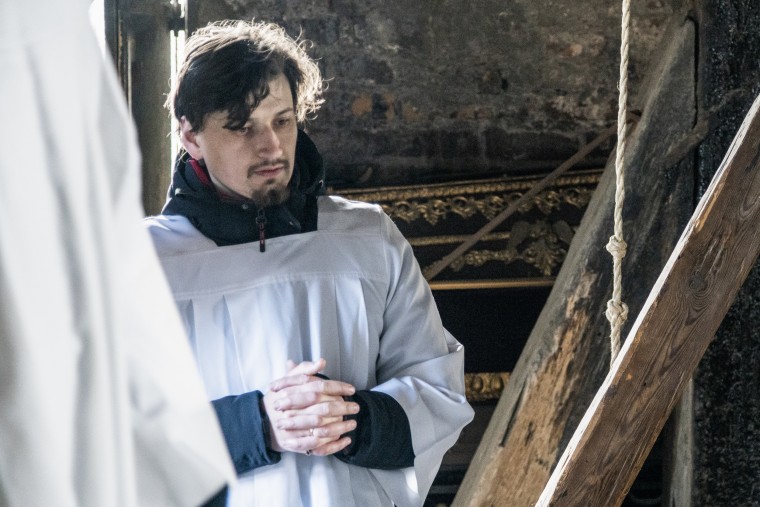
244 130
283 122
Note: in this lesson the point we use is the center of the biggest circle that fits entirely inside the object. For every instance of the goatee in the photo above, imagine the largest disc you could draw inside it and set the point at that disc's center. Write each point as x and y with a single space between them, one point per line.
271 195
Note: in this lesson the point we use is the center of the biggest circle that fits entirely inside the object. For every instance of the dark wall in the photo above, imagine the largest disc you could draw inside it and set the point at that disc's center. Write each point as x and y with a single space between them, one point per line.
450 89
727 386
443 89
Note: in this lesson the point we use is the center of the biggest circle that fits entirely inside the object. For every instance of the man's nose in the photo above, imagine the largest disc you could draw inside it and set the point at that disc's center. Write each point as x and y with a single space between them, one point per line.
268 143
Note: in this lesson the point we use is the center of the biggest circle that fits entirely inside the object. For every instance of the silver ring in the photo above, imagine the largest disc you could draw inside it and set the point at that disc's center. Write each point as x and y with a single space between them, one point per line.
308 453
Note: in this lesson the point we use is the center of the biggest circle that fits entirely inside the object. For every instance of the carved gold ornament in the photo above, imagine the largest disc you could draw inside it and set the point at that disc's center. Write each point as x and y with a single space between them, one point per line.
485 386
539 235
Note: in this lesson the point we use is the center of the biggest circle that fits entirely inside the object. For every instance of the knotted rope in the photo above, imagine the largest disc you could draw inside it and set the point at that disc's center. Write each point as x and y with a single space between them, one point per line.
617 311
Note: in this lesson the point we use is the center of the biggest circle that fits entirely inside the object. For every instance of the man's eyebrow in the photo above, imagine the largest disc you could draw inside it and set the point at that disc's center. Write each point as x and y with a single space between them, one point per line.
284 111
250 121
287 110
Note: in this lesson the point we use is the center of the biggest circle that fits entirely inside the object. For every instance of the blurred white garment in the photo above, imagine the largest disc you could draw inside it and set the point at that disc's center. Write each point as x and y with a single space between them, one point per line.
100 400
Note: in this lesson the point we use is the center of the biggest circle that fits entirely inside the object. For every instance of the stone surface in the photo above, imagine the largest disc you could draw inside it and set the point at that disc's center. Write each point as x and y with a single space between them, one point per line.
463 89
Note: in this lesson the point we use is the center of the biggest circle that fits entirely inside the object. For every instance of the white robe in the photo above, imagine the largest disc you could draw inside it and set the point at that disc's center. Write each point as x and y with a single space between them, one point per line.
100 401
350 292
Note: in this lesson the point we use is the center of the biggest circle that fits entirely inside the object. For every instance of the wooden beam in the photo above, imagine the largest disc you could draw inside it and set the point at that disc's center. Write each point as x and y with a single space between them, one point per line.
145 58
685 308
566 356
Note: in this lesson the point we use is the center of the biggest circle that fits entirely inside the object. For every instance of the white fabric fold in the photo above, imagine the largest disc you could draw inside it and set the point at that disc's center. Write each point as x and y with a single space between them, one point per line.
100 400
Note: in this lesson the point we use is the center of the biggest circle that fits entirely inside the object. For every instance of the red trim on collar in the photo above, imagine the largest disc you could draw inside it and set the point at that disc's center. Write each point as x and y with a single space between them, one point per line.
203 176
200 173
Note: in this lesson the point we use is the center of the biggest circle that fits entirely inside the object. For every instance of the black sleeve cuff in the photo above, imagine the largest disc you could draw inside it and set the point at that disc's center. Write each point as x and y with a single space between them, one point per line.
382 438
246 430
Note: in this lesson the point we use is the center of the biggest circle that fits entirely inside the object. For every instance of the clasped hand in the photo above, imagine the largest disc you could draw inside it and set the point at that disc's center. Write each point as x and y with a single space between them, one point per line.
306 412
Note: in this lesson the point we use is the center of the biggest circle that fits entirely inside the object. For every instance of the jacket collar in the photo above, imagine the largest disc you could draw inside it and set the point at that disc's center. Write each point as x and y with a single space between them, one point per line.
227 222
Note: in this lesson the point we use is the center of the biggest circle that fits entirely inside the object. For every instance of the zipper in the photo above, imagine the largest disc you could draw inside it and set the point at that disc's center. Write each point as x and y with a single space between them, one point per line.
261 219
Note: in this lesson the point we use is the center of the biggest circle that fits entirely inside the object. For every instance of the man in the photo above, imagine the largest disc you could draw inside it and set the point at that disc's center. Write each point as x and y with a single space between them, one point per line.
314 331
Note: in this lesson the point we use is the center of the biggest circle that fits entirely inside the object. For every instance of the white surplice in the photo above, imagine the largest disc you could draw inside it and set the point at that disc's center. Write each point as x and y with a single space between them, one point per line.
350 292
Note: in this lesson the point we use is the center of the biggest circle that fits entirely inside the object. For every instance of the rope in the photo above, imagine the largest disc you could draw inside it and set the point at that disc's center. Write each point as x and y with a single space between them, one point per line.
617 311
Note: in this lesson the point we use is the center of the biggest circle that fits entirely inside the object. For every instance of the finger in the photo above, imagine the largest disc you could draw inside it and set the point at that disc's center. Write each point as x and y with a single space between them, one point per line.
290 381
334 408
309 426
317 438
304 423
332 387
308 367
298 375
316 403
311 443
303 444
294 402
300 385
331 447
333 430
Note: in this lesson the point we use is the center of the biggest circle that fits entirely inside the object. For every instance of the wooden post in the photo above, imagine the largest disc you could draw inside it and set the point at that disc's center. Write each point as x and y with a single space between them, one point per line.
138 36
683 312
567 354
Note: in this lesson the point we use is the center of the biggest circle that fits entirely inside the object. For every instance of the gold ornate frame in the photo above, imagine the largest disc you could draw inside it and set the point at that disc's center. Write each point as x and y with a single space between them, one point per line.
526 250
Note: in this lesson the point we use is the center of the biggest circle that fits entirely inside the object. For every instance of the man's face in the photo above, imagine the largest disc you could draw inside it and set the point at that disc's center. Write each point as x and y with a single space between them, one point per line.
256 161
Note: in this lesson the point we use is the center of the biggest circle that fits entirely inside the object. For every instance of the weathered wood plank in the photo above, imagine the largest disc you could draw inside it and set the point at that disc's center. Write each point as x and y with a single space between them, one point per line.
146 59
567 354
670 335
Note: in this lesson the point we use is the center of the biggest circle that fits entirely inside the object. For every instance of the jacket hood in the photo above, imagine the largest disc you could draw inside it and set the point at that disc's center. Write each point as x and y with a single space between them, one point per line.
227 222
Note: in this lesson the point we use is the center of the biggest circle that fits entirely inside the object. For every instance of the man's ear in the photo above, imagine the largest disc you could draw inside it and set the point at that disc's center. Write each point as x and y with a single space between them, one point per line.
189 140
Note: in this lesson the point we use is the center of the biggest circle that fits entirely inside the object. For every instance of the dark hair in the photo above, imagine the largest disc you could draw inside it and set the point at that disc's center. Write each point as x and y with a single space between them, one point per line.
228 66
